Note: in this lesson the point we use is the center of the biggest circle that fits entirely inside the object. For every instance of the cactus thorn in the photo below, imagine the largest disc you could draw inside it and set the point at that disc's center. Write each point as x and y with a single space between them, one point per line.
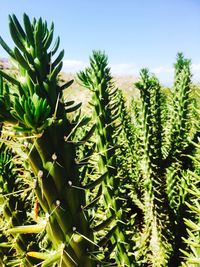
54 157
70 183
40 173
58 203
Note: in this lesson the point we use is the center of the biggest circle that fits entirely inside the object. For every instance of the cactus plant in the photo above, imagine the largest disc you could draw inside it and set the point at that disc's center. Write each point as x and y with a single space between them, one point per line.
114 190
98 79
156 233
165 166
33 104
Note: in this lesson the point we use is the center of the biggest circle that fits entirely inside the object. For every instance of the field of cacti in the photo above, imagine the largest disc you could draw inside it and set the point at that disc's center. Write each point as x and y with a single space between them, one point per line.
115 185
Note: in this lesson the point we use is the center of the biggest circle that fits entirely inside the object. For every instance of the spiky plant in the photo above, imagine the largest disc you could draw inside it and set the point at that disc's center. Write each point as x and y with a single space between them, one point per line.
128 170
191 253
181 103
87 218
191 250
33 105
180 146
98 79
164 166
15 211
155 238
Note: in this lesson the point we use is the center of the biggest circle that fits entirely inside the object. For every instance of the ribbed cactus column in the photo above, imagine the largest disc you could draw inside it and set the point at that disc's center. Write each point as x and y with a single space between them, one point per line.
156 234
181 103
98 79
33 103
166 140
181 134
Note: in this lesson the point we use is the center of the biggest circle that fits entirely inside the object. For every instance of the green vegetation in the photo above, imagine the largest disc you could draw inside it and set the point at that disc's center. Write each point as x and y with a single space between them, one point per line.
109 185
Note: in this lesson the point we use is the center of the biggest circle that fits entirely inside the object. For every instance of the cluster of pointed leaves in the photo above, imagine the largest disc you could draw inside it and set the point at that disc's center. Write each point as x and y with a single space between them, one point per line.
31 100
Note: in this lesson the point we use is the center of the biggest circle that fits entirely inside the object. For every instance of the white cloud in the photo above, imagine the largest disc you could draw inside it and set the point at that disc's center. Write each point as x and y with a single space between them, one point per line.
165 74
162 70
73 65
196 72
195 67
123 69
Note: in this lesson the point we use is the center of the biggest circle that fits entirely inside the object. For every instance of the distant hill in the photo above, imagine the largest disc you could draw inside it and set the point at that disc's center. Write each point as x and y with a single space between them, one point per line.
81 94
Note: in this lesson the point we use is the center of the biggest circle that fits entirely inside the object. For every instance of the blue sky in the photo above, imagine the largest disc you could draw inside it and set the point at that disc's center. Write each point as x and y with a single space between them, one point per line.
133 33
